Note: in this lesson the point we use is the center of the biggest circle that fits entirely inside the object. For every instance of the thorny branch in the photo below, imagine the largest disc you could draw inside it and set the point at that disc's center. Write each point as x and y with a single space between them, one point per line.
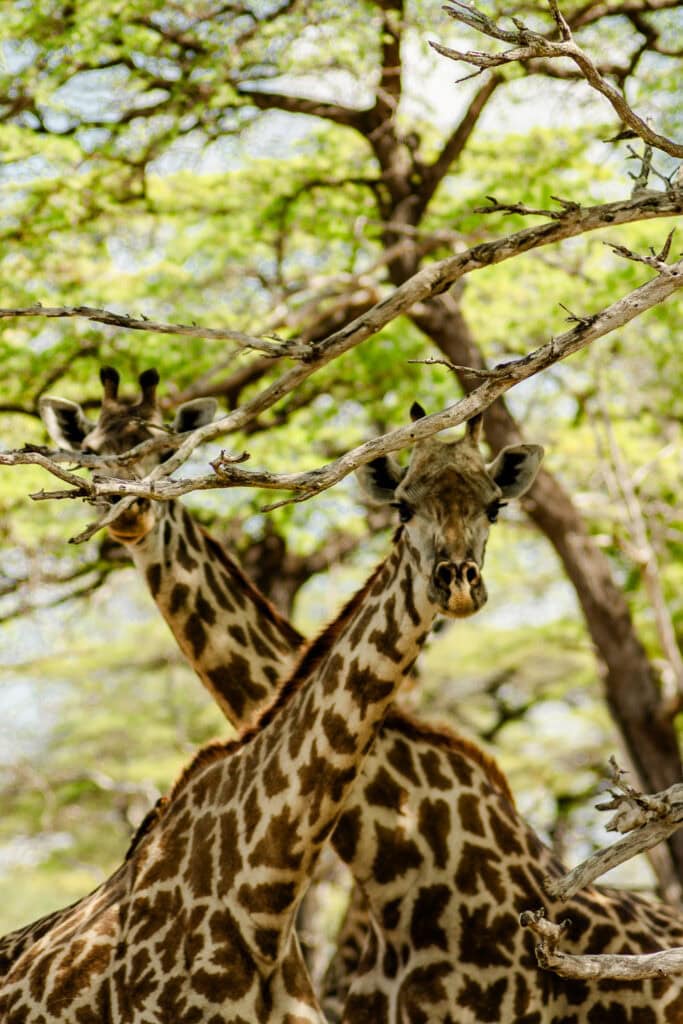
527 45
649 819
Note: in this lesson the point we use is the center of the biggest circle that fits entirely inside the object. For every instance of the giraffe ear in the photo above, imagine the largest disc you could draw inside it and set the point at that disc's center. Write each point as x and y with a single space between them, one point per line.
380 478
514 469
196 413
66 422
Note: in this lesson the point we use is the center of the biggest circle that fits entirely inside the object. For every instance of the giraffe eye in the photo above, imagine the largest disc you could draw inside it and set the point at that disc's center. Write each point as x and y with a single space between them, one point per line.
493 510
405 512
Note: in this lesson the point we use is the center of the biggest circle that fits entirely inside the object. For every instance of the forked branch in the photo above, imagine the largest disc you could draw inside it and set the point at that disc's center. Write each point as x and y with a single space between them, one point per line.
500 379
527 45
648 820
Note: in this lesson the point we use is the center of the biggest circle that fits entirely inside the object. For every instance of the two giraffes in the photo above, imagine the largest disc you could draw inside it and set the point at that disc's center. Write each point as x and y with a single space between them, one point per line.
197 924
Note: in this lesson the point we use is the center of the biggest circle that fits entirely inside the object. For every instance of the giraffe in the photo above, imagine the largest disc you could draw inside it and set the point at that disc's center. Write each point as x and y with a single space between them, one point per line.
237 642
229 641
447 864
436 779
197 923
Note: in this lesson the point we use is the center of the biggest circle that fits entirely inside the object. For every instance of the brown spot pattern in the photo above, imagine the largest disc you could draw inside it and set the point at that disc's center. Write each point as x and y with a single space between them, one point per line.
434 823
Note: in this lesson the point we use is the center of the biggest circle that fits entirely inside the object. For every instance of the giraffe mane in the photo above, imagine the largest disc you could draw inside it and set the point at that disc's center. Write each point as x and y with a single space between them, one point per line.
145 826
446 738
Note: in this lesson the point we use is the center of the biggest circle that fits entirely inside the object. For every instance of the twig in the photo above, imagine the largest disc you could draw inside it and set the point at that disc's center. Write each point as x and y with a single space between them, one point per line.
276 348
470 371
641 179
568 207
50 462
655 260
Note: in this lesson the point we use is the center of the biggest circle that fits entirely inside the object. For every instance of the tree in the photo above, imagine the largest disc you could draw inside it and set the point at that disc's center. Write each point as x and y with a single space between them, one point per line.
135 179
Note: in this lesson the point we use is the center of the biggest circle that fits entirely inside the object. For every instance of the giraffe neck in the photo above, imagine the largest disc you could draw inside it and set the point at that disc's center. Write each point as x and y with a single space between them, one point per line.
448 865
235 640
285 783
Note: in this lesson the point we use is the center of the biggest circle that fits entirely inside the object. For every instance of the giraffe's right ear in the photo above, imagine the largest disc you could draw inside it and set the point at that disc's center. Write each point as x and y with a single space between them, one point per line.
380 478
66 422
196 413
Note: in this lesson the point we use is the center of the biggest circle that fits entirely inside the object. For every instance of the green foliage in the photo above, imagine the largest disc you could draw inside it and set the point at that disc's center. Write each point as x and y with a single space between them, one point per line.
137 174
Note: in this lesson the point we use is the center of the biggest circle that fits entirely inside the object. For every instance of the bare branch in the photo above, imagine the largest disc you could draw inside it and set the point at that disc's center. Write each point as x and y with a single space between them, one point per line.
496 382
469 371
81 486
655 260
266 100
275 348
431 280
649 819
528 45
589 967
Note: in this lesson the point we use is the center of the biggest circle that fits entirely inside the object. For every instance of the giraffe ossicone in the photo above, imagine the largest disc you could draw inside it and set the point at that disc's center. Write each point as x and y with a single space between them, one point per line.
198 921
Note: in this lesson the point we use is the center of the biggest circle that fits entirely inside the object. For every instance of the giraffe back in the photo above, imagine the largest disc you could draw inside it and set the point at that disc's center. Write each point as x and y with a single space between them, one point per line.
449 866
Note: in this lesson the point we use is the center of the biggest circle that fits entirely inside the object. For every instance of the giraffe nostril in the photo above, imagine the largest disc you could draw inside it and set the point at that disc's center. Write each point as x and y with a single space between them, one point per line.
471 573
445 573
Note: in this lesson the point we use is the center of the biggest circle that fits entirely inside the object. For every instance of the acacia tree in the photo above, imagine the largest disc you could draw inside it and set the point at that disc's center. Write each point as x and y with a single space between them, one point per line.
104 118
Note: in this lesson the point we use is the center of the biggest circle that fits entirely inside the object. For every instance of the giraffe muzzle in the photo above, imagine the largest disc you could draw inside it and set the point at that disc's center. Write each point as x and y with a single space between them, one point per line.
458 587
134 523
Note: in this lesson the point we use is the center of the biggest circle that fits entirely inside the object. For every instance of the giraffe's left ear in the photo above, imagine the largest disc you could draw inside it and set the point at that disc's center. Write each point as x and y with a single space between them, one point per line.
380 478
66 422
514 469
196 413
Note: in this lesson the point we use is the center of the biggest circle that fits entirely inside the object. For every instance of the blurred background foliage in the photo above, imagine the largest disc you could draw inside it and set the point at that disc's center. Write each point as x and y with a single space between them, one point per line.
143 170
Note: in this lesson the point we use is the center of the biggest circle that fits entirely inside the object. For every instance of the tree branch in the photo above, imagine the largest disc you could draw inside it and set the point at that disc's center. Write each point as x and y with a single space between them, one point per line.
131 323
300 105
648 820
624 967
500 379
431 280
528 45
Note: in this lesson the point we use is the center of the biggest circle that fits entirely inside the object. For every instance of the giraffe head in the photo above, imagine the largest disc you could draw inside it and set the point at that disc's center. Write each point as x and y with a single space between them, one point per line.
122 424
447 498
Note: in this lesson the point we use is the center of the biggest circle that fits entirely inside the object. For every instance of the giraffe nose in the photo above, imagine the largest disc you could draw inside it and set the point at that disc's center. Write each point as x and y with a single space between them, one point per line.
447 573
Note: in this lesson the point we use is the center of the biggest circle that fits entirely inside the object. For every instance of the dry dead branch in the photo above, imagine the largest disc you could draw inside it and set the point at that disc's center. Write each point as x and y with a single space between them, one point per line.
275 348
527 45
228 474
648 820
593 967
